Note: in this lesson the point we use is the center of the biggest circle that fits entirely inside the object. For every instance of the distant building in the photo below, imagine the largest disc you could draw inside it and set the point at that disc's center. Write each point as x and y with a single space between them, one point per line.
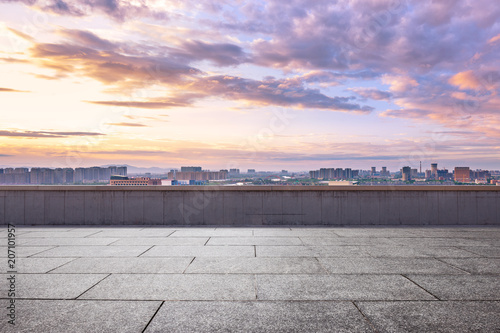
444 175
197 175
462 174
47 176
434 170
139 181
190 168
374 171
406 173
234 172
332 173
251 171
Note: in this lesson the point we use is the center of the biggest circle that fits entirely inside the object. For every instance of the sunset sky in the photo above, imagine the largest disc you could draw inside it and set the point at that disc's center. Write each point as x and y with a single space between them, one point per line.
268 85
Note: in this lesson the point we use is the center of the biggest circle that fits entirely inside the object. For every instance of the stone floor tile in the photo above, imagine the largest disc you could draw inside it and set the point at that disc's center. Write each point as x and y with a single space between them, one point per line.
387 266
39 265
477 265
445 317
50 286
257 317
460 287
174 287
79 316
24 251
311 251
254 241
125 265
201 251
173 241
338 287
59 241
256 266
94 251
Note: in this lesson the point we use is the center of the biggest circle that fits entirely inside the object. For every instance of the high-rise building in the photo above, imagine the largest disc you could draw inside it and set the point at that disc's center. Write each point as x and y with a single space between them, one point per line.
374 171
251 171
234 172
406 173
414 173
190 168
434 170
462 174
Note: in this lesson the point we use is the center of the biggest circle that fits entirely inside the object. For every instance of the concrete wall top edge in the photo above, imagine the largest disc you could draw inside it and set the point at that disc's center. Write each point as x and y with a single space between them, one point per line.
248 188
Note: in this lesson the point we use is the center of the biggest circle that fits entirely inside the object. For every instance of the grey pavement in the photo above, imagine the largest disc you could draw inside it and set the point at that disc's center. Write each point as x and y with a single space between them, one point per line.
289 279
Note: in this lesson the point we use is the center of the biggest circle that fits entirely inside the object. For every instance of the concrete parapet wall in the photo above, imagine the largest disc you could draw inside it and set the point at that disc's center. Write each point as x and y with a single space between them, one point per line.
250 205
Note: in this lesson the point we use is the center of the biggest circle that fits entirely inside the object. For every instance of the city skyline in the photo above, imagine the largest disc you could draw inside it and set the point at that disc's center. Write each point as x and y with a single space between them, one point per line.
264 85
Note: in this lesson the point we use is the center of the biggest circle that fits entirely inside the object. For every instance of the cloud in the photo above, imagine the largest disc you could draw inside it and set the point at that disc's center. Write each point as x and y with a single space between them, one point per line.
14 60
11 90
142 104
373 93
494 39
221 54
399 83
125 124
87 38
116 9
112 68
465 80
335 157
283 92
407 113
21 34
45 134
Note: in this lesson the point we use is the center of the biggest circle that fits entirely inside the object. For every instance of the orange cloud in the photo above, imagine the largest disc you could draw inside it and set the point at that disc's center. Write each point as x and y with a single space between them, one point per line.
494 39
465 80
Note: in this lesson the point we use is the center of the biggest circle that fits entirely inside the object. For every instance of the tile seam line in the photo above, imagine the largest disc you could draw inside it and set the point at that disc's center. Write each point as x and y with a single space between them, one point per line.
372 326
145 251
427 291
185 269
152 317
95 284
454 266
61 265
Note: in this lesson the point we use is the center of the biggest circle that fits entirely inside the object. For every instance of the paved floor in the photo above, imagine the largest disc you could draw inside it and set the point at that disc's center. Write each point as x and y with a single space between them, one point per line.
124 279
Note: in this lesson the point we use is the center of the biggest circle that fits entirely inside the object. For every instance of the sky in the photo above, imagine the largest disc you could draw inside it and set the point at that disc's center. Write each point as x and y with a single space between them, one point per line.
266 85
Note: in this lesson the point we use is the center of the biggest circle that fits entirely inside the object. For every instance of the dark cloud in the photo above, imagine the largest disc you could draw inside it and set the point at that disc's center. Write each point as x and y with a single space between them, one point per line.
221 54
284 92
88 38
110 67
45 134
116 9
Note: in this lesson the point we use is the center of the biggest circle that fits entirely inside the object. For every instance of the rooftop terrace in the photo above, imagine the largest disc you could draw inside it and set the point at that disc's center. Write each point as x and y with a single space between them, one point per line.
254 279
